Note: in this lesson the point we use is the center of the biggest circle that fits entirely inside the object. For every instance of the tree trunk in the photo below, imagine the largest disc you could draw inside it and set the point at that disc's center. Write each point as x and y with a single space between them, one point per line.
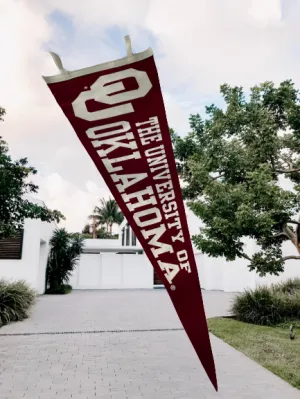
298 237
94 228
294 237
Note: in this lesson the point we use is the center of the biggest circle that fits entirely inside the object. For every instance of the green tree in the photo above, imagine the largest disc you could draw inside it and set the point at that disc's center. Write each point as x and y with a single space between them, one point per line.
86 229
14 184
65 250
2 113
100 232
233 165
107 214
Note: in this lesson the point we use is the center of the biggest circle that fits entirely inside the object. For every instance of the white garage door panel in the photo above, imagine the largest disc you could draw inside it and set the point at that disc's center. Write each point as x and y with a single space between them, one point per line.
111 273
89 271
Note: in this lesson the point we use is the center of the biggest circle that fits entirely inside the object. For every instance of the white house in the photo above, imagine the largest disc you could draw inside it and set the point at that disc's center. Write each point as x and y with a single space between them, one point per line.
26 257
122 264
117 264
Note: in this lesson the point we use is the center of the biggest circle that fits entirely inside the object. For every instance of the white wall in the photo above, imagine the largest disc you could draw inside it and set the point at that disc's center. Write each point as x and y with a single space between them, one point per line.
115 271
31 267
112 271
27 267
98 243
46 233
217 274
291 269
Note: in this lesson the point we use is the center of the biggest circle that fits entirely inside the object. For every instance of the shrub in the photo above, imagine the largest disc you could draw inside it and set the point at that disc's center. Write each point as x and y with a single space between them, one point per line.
15 300
273 305
289 286
65 250
64 289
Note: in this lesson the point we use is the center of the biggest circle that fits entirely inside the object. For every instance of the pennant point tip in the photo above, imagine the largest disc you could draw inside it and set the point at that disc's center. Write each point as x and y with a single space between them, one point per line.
213 380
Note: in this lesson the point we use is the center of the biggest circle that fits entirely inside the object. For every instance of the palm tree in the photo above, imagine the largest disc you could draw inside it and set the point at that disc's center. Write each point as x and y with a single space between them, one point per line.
110 213
65 250
95 218
107 214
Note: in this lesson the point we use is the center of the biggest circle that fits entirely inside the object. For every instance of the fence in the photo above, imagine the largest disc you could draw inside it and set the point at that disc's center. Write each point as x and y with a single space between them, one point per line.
121 271
130 271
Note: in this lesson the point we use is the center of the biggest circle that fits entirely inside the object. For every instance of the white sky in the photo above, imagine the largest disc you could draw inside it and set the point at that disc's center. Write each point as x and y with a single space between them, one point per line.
199 44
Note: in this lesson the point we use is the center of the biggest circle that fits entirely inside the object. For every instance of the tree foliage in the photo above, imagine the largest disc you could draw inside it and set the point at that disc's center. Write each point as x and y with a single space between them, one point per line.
236 164
108 214
2 113
14 184
65 250
86 229
100 232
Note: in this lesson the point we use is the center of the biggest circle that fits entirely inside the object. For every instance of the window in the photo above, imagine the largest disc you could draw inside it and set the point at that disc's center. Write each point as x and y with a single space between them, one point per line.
127 235
133 239
11 247
123 236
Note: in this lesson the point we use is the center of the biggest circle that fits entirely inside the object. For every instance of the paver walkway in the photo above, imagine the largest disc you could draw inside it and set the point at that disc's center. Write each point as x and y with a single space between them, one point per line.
37 360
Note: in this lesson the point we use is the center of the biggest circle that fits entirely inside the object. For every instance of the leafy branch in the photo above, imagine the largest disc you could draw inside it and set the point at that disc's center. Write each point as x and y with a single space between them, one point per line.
230 164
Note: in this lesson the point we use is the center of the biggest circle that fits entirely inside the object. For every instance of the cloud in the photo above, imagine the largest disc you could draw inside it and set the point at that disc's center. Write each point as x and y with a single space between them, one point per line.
203 43
177 113
71 201
34 125
213 42
30 109
266 11
100 13
198 45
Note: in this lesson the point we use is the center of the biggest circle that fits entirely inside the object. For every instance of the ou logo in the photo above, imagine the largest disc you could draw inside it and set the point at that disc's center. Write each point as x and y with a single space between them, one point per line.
103 91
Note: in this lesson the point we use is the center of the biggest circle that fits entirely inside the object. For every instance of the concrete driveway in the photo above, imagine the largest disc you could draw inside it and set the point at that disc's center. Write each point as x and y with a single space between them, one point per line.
79 346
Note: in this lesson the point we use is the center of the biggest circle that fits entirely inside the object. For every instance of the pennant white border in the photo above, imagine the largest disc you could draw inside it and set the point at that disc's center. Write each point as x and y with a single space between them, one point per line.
68 75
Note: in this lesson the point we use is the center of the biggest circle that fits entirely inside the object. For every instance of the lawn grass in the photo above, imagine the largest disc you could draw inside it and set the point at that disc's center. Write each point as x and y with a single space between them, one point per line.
271 347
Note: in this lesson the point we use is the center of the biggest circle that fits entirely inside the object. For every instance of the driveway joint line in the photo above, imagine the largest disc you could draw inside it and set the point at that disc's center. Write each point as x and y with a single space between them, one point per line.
90 332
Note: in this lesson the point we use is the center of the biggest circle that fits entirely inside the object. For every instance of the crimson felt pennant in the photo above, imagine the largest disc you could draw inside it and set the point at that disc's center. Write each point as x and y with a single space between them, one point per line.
118 114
